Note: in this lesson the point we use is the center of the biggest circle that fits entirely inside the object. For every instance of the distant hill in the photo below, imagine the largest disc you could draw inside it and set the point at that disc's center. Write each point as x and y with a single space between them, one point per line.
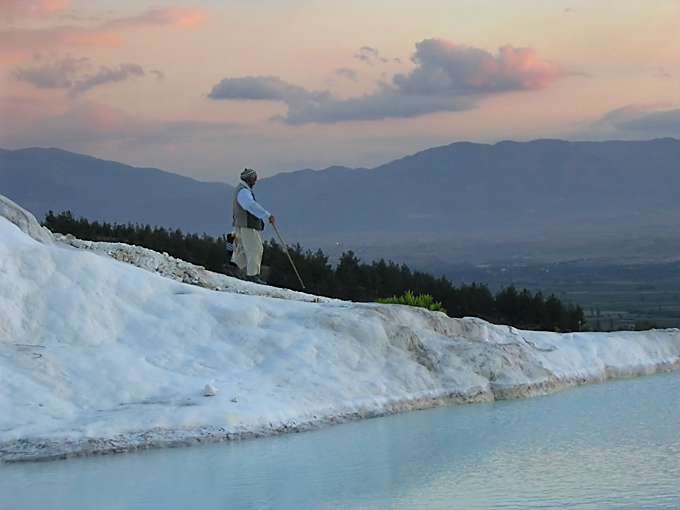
41 180
471 202
547 186
461 202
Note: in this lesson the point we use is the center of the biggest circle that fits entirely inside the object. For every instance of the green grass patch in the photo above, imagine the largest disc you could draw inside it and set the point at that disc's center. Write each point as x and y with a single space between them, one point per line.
421 300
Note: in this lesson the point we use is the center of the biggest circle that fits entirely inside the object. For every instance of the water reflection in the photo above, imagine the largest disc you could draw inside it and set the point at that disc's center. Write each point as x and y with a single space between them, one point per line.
609 445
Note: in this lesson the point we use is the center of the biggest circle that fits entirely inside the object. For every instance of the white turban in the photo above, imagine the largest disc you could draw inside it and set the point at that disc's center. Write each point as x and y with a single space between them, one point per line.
247 172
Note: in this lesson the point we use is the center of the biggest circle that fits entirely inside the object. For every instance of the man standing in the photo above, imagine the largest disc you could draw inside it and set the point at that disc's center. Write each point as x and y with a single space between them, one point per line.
248 222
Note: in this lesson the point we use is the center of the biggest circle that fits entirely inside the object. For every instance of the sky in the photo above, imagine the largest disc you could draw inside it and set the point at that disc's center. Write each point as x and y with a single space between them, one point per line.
205 88
101 353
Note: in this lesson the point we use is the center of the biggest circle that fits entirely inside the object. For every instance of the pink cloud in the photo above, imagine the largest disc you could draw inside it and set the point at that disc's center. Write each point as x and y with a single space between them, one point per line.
17 113
96 119
445 66
75 37
50 124
31 9
526 68
91 126
18 44
169 16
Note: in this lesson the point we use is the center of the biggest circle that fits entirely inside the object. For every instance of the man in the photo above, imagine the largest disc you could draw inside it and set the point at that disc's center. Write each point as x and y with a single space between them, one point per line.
248 222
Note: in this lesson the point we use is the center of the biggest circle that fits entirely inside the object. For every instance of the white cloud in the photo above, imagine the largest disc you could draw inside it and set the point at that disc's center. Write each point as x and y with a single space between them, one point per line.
645 118
261 88
73 74
383 104
652 119
447 77
107 75
346 72
54 75
370 56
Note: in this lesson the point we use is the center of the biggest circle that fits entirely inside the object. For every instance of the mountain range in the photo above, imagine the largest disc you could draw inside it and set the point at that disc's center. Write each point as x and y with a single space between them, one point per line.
463 202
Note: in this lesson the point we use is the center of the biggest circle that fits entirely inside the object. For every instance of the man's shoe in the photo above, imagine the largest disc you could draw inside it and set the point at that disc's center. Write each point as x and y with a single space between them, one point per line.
232 269
255 279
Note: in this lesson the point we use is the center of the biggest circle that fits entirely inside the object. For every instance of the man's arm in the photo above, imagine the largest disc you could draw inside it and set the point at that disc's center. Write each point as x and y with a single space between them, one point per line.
246 200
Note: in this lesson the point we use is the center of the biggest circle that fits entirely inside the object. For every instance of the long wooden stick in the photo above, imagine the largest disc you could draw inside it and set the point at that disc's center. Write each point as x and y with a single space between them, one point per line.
285 248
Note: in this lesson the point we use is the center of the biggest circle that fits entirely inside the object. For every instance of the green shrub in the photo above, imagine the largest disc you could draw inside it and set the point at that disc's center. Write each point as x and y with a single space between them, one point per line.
422 300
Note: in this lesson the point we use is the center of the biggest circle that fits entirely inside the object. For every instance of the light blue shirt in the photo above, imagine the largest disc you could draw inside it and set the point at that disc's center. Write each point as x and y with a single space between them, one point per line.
246 200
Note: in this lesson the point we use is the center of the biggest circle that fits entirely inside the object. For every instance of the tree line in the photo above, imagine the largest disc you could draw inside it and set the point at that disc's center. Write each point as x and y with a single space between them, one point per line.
350 279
